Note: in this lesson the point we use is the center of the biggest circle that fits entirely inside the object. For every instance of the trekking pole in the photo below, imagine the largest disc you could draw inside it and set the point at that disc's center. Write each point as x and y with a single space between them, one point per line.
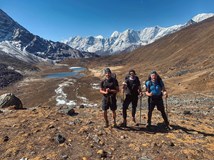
122 100
166 107
140 107
123 96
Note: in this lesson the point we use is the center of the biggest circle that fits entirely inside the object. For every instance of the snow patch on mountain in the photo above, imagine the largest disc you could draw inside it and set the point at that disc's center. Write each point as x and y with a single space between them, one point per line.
200 17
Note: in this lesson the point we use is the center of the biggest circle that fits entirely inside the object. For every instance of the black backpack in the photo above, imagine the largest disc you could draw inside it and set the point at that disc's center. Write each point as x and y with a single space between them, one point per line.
113 75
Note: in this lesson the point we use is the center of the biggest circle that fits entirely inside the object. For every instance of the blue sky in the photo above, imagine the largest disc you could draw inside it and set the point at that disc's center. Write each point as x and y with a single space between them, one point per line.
60 19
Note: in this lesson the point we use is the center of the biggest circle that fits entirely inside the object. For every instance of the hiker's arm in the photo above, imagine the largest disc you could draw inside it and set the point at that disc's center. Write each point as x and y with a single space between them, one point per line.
114 90
148 93
102 91
124 86
140 91
164 92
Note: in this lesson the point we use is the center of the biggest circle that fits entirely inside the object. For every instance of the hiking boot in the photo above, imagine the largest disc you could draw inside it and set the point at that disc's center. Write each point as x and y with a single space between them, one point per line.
168 128
149 126
114 125
124 124
106 124
133 119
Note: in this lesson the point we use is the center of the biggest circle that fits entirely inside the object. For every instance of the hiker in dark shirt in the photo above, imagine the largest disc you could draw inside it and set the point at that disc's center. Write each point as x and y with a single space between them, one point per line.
155 89
132 89
109 88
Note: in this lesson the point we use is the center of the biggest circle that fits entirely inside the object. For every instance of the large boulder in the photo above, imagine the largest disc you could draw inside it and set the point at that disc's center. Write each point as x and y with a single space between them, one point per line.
9 99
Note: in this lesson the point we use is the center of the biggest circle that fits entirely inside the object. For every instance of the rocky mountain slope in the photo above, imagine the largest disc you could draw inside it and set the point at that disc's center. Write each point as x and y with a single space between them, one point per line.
13 69
16 40
129 39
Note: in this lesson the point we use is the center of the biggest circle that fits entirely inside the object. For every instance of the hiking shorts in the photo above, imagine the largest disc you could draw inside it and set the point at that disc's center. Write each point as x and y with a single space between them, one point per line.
109 102
156 101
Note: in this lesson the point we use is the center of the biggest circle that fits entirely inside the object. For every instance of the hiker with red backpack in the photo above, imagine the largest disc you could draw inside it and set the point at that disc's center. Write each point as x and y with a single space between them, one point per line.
109 88
132 89
155 89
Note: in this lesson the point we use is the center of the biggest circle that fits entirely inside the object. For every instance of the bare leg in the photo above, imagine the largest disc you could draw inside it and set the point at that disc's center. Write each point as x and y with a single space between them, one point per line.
106 118
114 117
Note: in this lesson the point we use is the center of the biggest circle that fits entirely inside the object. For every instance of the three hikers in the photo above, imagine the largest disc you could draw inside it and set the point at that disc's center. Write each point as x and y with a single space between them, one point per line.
132 89
109 88
155 89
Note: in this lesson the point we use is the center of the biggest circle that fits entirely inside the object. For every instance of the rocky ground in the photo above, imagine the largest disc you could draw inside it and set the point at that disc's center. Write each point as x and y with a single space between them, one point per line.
43 130
47 133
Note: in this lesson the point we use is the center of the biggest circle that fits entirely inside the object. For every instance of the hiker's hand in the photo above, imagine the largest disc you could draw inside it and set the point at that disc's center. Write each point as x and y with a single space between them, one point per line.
124 85
150 94
165 94
107 90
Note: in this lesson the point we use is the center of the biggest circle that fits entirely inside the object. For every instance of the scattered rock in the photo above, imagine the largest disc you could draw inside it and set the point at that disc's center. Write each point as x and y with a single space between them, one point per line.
193 132
6 138
82 106
102 143
124 137
59 139
102 153
84 129
24 158
51 126
72 112
9 99
64 157
33 152
96 139
144 158
172 144
89 122
187 112
77 121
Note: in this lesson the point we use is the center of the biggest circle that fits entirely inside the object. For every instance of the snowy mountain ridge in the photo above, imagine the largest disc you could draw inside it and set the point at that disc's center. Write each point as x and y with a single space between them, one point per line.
129 39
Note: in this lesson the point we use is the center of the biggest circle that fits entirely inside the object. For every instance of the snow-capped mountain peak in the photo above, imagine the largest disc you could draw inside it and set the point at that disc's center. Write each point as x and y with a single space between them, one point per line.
115 34
202 16
99 37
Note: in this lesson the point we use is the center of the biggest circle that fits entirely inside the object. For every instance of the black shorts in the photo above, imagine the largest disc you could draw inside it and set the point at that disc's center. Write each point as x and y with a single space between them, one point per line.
156 101
109 102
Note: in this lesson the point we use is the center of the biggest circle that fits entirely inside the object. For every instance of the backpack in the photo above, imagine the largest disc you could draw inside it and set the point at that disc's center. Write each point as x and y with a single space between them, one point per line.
113 75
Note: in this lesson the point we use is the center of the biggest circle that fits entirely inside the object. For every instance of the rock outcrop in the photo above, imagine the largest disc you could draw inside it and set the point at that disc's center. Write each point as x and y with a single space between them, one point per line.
9 99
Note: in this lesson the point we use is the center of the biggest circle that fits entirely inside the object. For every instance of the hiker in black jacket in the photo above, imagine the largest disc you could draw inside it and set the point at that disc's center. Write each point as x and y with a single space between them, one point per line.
132 88
109 88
